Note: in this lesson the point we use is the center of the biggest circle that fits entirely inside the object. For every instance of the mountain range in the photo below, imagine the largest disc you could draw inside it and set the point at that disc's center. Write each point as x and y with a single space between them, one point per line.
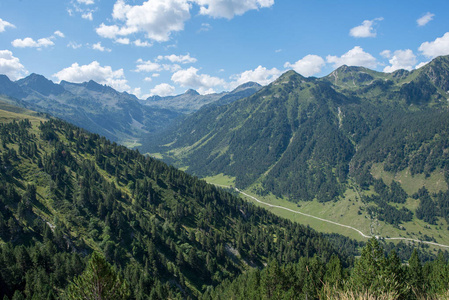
118 116
67 194
321 139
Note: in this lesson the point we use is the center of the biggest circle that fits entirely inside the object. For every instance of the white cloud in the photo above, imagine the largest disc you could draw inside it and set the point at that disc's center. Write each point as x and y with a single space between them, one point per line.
163 90
401 59
354 57
422 64
123 41
120 9
87 15
113 31
205 27
148 79
147 66
4 24
439 46
30 43
260 75
59 34
140 43
99 47
156 75
201 82
183 59
11 66
425 19
308 65
94 71
230 8
365 30
74 45
386 53
156 18
86 2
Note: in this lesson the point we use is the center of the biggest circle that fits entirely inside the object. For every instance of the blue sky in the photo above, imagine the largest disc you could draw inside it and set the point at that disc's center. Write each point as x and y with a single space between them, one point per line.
165 47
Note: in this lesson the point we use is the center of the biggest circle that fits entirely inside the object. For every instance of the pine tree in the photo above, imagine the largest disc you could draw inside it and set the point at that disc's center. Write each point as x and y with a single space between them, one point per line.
414 272
99 281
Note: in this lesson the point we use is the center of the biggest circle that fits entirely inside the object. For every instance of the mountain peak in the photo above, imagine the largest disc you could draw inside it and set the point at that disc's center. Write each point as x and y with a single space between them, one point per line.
191 92
41 85
290 75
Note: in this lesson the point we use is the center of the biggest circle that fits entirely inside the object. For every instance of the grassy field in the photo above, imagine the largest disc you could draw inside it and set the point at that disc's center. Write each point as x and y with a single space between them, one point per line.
7 116
411 184
221 179
349 210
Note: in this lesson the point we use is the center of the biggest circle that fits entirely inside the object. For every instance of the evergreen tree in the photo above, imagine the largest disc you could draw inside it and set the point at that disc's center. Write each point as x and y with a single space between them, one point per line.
98 281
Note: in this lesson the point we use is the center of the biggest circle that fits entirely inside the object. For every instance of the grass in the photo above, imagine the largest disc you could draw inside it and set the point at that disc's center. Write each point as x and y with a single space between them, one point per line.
221 179
411 184
10 116
349 210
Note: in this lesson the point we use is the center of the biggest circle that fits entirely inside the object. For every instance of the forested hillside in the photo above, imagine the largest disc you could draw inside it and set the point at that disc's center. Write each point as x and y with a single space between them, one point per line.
299 136
66 193
322 139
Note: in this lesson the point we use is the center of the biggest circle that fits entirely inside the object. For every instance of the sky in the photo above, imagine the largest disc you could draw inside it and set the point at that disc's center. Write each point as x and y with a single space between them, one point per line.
164 47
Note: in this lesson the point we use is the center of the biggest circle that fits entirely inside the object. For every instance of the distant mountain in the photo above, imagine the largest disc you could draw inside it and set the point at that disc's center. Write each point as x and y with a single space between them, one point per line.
98 108
320 138
191 100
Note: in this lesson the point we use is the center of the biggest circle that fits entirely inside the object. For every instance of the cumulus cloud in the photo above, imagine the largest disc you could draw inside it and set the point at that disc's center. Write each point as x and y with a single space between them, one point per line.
202 82
147 66
439 46
163 89
148 79
425 19
156 18
40 43
123 41
140 43
4 24
308 65
30 43
386 53
183 59
59 34
87 15
365 30
99 47
11 66
94 71
354 57
401 59
230 8
261 75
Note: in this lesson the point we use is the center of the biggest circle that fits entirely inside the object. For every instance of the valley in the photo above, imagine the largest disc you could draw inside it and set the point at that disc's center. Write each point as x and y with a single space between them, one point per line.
333 154
224 150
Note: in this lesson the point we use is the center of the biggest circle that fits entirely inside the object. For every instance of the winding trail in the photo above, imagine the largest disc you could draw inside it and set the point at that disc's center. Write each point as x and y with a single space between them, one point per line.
332 222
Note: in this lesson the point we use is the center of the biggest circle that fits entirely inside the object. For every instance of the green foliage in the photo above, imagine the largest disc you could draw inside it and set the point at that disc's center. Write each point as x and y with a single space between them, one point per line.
374 276
298 136
98 281
168 234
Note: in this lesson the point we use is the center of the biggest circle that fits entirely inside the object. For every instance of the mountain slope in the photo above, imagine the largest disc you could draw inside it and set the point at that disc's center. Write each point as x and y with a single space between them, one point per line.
357 135
65 192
